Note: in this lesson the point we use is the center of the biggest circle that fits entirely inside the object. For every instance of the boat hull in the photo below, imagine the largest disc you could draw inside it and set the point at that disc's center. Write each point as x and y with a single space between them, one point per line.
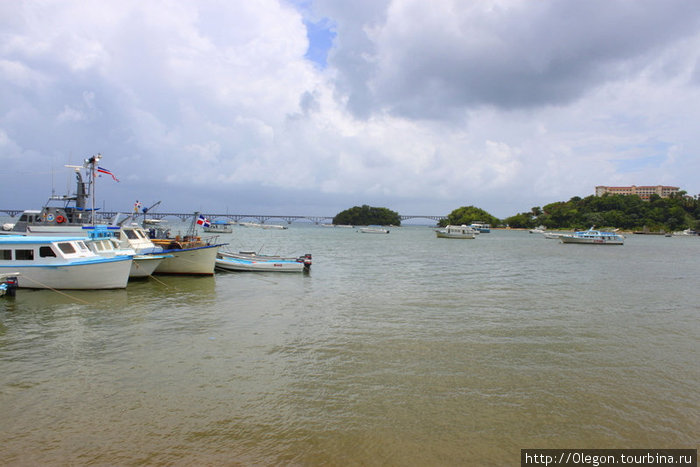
108 273
590 241
189 261
227 263
144 265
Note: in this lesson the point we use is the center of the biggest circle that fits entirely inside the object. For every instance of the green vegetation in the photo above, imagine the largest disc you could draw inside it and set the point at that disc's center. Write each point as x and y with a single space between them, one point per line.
468 215
628 212
367 215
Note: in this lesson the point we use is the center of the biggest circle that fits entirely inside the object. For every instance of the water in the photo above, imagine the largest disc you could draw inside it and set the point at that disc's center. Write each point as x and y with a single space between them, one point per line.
399 349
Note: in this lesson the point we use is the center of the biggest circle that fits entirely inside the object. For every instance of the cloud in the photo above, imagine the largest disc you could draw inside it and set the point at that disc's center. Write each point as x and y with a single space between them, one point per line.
325 104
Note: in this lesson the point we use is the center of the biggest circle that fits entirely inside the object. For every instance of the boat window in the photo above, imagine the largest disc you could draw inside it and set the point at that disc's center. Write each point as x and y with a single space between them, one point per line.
140 234
82 246
130 234
5 255
46 252
23 218
26 255
66 247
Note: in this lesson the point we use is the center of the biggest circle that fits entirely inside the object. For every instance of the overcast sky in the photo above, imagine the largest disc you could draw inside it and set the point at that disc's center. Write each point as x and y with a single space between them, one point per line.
309 107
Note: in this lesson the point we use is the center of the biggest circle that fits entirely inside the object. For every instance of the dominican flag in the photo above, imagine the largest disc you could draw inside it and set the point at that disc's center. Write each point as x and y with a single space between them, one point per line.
203 221
102 170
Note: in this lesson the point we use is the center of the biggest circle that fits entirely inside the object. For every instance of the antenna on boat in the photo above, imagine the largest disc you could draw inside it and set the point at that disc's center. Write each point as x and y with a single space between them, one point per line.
91 163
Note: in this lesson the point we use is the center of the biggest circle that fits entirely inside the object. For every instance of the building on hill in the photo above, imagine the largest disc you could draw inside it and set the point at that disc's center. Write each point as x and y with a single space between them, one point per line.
643 192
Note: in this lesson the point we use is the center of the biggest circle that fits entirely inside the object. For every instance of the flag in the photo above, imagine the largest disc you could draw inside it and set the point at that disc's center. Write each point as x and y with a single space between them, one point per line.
137 205
203 221
102 170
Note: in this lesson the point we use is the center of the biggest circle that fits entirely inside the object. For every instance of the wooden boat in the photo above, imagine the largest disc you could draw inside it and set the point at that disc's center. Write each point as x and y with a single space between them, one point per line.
61 263
456 231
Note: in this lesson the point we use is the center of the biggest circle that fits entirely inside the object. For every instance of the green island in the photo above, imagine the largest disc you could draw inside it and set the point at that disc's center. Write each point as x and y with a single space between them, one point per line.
367 215
626 212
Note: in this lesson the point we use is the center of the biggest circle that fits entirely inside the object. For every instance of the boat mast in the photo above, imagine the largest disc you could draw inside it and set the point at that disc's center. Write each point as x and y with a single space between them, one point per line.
91 163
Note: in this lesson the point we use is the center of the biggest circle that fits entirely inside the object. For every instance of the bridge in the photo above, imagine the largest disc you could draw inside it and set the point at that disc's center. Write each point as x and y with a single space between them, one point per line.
260 218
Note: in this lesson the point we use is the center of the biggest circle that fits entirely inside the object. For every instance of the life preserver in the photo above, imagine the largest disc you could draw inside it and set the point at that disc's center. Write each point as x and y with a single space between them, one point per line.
49 218
60 219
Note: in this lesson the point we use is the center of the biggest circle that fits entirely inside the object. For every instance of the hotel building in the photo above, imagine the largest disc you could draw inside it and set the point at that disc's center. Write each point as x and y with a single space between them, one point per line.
643 192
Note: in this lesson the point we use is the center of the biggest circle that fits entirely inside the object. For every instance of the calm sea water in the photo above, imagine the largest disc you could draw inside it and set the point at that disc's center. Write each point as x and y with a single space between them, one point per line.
399 349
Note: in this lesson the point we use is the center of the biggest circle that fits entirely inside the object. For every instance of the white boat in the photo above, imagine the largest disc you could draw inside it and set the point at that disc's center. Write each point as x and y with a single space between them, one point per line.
538 230
552 235
61 263
456 231
187 255
104 242
273 226
374 229
229 262
685 232
593 237
481 227
222 227
306 259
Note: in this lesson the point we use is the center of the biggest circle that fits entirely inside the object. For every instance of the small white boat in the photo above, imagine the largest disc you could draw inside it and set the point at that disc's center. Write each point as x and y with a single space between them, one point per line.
538 230
219 227
685 232
61 263
593 237
374 229
456 231
273 226
552 235
238 262
481 227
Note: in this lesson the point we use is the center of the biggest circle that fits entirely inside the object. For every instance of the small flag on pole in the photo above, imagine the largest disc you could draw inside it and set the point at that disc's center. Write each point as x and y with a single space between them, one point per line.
102 170
203 221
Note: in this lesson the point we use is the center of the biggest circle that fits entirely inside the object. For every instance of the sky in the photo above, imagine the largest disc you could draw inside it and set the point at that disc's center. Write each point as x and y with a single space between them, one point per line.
310 107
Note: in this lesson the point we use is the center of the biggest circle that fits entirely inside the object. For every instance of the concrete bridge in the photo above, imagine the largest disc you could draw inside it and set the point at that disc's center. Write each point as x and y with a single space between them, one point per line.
260 218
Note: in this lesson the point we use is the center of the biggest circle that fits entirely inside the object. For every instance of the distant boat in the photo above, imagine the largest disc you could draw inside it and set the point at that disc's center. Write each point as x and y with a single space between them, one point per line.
538 230
219 227
481 227
593 237
456 231
61 263
374 229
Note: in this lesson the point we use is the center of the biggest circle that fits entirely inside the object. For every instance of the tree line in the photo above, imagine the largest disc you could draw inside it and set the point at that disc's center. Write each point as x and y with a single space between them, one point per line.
627 212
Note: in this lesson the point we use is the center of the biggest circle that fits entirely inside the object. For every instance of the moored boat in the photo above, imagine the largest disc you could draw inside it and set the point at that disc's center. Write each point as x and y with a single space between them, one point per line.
187 255
456 231
374 229
593 237
219 226
481 227
232 262
61 263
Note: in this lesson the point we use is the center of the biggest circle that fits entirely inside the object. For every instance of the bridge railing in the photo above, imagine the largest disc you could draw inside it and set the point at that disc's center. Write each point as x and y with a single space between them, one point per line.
261 218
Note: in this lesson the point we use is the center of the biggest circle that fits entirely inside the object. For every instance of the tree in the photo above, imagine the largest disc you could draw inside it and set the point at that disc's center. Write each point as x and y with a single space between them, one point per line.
367 215
469 215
